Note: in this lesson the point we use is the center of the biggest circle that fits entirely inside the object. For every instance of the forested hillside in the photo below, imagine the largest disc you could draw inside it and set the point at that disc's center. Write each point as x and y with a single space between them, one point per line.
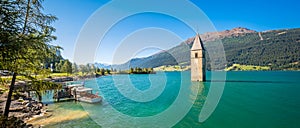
277 49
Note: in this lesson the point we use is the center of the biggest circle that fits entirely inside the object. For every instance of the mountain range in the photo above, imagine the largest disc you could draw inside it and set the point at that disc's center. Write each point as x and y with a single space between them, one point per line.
277 49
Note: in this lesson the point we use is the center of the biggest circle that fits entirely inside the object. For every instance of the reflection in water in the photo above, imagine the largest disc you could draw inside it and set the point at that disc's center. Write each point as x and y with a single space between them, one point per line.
194 93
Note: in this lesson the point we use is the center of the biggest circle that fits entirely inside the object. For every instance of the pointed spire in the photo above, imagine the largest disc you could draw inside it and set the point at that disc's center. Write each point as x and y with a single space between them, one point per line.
198 44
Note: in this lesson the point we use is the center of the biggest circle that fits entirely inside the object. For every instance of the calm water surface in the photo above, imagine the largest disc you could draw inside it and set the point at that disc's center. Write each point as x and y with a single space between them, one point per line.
250 99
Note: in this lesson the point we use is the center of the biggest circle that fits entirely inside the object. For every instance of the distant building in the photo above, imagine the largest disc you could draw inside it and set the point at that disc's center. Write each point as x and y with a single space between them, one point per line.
198 62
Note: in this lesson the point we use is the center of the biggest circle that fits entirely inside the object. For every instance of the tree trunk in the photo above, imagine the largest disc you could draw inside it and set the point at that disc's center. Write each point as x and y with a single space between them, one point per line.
28 93
11 89
39 96
26 17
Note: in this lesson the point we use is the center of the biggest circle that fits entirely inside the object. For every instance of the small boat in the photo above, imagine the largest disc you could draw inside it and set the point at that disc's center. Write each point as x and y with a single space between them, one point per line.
84 94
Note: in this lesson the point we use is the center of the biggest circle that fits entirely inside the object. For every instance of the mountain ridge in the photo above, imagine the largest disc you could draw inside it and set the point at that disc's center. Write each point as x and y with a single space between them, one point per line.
241 45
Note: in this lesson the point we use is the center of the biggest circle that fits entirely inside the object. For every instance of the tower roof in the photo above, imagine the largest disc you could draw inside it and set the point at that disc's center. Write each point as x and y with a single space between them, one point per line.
198 44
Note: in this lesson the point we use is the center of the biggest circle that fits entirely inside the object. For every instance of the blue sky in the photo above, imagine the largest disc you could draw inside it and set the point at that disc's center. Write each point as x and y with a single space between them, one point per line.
258 15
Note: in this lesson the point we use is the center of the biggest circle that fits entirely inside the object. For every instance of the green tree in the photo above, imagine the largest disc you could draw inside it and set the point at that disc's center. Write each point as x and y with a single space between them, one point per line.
58 66
24 39
35 85
145 70
107 71
98 70
67 67
150 70
131 70
102 71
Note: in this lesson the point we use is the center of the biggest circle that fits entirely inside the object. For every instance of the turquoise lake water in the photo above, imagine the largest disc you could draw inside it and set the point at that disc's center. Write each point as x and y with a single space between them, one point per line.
250 99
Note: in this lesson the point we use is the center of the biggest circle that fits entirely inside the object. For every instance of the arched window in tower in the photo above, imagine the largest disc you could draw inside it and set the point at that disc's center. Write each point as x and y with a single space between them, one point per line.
196 55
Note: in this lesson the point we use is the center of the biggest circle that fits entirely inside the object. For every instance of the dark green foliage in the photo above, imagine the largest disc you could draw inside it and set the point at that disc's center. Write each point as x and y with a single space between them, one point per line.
102 71
107 71
25 34
138 70
98 70
279 49
65 66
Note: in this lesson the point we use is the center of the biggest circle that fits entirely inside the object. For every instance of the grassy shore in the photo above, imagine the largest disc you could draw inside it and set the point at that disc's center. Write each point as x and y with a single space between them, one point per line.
234 67
172 68
239 67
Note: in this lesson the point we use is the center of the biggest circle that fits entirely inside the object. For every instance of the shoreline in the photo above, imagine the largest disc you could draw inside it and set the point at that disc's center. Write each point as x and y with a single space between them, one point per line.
23 109
55 115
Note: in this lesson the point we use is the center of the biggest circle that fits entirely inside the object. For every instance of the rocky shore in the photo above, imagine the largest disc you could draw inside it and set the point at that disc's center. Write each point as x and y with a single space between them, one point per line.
23 109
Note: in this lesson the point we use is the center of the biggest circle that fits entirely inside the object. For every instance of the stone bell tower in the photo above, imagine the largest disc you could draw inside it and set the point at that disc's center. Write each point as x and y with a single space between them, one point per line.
198 62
